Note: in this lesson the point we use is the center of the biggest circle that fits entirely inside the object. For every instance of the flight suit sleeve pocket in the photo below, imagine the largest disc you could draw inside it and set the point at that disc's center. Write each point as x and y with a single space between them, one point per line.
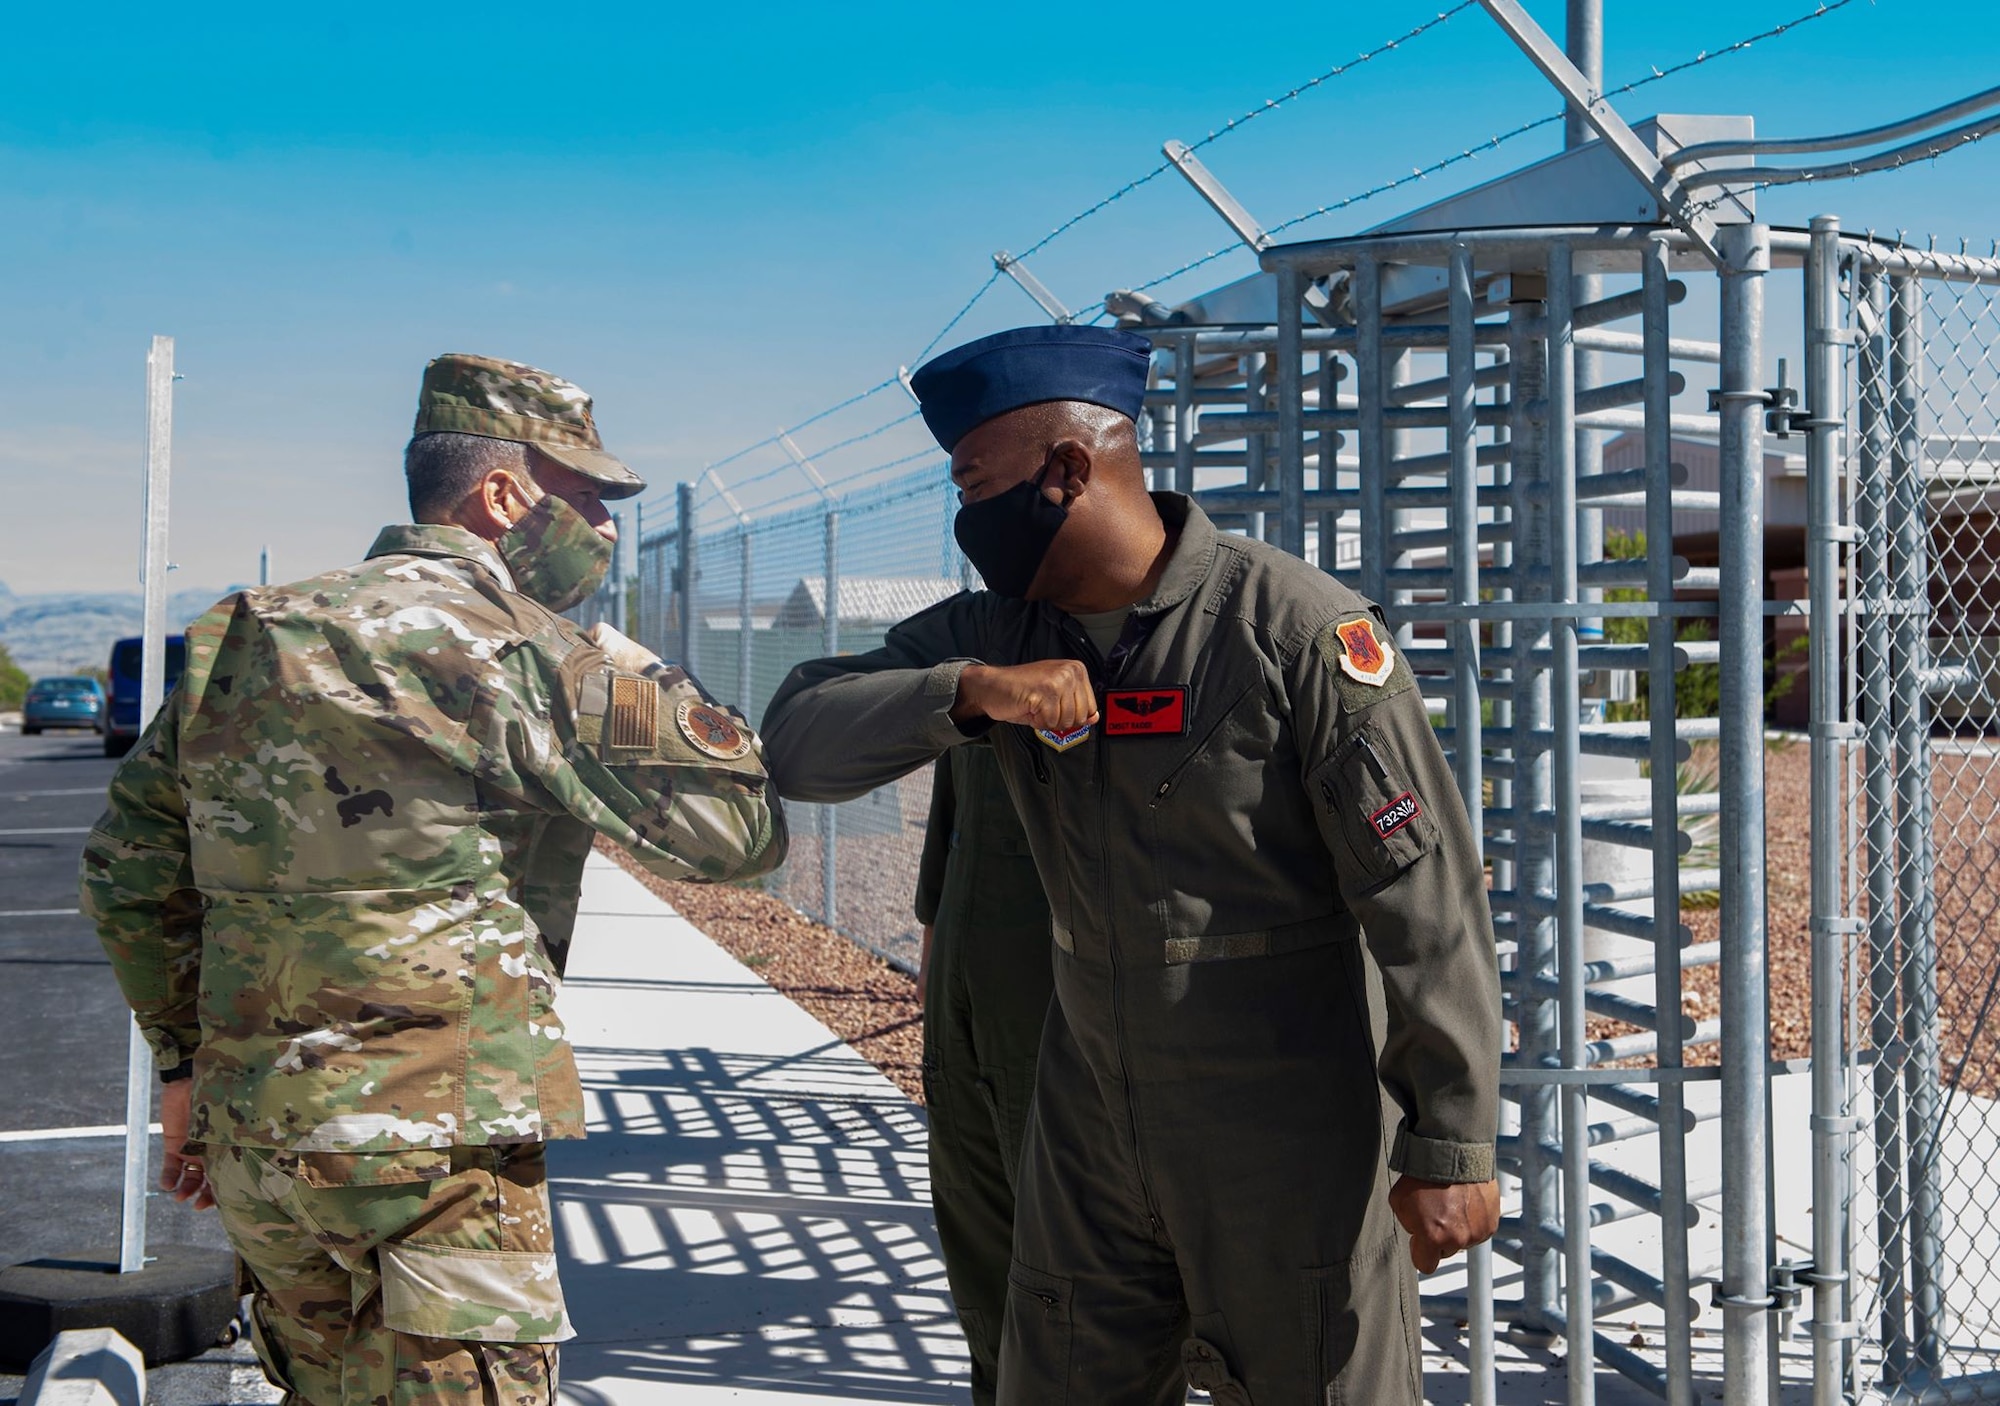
502 1296
1369 811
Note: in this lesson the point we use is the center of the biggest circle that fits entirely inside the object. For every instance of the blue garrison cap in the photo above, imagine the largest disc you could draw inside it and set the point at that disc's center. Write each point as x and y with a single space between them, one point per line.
969 385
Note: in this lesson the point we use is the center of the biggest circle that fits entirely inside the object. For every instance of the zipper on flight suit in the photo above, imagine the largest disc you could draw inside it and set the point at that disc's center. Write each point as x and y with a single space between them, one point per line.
1104 682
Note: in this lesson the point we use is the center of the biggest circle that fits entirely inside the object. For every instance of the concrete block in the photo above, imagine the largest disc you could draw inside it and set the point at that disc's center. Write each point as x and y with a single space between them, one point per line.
173 1309
86 1367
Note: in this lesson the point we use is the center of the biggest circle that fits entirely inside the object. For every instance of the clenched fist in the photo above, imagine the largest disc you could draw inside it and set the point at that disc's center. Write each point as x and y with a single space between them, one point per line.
1444 1217
1051 693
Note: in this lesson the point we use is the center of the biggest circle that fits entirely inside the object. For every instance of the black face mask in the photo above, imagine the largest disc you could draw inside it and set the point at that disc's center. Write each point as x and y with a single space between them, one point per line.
1005 537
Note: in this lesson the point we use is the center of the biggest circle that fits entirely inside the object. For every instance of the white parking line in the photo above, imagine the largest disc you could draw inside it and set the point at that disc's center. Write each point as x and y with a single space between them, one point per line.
80 791
37 913
62 1134
51 830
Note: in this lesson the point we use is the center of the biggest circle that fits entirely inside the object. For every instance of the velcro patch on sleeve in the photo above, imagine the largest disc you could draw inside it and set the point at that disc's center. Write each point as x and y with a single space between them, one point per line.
1395 815
634 720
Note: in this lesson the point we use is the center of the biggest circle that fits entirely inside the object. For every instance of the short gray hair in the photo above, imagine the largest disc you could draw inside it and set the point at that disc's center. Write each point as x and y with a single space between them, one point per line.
443 467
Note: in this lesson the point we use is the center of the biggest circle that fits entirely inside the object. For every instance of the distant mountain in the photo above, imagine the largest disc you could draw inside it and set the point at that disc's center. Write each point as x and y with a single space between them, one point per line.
59 632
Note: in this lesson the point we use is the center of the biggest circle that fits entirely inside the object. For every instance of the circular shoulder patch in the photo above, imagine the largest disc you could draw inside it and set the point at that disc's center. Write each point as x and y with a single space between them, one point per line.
711 730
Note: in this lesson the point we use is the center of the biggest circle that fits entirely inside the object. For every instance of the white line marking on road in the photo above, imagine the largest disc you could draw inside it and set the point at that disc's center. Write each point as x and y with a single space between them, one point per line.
79 791
38 913
63 1134
51 830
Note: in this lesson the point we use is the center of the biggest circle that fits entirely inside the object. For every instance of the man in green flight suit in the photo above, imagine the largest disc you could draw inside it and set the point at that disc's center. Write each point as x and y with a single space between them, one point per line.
1229 780
338 874
986 987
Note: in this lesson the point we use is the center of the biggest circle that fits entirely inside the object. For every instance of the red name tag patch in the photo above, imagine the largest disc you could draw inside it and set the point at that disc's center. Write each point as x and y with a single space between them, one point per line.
1395 815
1146 712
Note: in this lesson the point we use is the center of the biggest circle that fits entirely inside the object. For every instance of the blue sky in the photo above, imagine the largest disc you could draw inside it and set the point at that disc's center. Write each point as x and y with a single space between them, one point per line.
721 219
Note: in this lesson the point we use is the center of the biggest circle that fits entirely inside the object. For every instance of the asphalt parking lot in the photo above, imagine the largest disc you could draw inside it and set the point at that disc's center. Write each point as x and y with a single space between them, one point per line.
64 1030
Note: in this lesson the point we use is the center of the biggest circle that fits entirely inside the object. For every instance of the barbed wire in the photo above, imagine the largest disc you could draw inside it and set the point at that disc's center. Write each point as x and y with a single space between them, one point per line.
1474 152
1236 124
1215 135
1097 310
957 317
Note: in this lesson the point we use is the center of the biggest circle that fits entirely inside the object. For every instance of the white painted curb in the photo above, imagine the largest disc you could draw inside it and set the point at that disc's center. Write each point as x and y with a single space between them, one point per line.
86 1367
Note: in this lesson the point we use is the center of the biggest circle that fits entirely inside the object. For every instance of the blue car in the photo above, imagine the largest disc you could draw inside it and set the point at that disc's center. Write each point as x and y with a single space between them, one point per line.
64 701
121 716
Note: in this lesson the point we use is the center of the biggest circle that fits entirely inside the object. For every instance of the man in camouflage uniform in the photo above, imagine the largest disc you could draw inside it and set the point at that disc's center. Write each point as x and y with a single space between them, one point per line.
986 987
337 876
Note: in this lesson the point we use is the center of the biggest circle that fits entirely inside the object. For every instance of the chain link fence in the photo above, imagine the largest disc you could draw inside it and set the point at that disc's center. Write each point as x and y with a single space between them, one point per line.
1922 846
740 604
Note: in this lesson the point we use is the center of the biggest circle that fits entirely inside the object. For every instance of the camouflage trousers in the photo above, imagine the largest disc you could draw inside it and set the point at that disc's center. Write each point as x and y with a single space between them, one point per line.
418 1291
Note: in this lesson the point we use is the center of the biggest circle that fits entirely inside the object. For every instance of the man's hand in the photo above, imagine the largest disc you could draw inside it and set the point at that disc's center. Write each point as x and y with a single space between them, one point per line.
1050 693
624 652
1444 1218
181 1175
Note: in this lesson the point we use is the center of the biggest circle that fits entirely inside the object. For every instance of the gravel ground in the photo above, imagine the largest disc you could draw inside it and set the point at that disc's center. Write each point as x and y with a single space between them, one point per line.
861 998
1966 789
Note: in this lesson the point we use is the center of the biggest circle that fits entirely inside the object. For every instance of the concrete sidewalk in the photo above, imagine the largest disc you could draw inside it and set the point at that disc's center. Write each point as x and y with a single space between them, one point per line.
749 1220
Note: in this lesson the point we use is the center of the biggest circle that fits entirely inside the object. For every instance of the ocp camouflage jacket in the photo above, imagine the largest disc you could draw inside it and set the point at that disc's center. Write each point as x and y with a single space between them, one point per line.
339 869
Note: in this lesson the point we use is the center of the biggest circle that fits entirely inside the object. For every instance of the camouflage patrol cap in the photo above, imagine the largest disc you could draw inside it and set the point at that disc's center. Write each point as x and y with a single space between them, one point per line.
484 395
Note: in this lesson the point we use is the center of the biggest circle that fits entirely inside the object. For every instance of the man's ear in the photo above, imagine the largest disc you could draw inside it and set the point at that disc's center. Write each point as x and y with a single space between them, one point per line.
1070 465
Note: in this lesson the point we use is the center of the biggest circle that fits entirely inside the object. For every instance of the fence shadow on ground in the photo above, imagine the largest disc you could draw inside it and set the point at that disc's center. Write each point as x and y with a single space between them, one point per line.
741 1223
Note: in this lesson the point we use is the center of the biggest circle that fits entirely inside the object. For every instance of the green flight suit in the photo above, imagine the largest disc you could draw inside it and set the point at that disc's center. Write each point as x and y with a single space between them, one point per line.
986 997
1203 1191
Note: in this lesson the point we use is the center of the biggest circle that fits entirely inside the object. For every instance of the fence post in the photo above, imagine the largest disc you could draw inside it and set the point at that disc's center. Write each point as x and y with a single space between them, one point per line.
639 612
1468 743
744 619
1909 548
617 611
1746 1291
1664 756
688 570
1871 524
829 815
1832 1141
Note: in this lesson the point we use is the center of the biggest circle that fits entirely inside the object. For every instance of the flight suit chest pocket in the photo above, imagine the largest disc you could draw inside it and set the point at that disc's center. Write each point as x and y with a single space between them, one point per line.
1371 807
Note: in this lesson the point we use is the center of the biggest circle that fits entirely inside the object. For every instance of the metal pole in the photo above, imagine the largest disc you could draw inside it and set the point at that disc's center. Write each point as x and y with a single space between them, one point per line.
1468 739
1746 1290
745 620
1529 794
640 614
1184 414
264 566
1371 396
829 816
1256 445
139 1067
1871 521
1832 1137
1583 41
1578 1310
1291 408
617 602
684 512
1326 444
1664 754
1909 547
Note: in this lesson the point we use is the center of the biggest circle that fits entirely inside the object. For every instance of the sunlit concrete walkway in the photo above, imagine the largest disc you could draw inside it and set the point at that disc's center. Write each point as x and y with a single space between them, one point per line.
749 1220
